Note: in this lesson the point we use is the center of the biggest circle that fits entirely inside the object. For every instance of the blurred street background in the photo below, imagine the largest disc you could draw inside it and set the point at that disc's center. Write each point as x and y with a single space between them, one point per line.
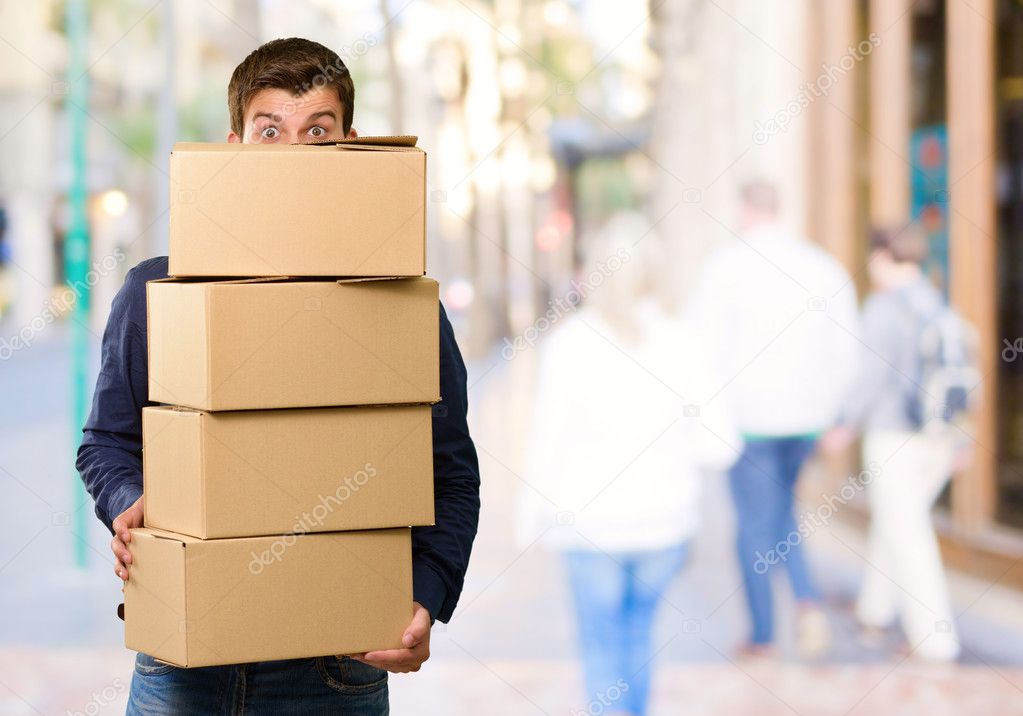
548 124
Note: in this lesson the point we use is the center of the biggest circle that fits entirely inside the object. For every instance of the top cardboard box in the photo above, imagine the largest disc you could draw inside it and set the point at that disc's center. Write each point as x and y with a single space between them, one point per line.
352 208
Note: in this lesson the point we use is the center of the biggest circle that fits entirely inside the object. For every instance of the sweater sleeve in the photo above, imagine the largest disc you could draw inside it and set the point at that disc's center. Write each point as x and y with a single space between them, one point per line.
440 553
110 456
879 355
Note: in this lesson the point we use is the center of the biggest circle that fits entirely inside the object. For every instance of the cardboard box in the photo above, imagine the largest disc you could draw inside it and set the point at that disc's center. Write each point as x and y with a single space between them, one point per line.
238 345
266 472
355 208
193 602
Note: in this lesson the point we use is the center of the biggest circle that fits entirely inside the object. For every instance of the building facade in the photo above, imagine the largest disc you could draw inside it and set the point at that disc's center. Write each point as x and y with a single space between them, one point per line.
933 132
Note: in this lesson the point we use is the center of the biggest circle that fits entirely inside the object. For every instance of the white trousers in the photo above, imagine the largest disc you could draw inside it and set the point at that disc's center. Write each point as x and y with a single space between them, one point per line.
905 579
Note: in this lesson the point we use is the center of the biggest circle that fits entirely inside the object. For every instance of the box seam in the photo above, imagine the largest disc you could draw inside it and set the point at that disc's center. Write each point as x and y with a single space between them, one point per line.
184 597
424 212
145 453
208 339
149 352
203 512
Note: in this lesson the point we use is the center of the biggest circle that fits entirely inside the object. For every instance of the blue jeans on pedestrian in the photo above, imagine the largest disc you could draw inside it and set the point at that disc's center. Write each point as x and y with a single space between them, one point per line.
763 483
320 686
616 597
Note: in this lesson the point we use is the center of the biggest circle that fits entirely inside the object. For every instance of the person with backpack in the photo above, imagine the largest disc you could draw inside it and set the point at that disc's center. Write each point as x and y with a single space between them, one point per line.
912 393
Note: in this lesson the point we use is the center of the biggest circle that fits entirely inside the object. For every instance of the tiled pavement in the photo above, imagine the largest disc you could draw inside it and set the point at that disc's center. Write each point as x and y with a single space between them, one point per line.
95 682
509 649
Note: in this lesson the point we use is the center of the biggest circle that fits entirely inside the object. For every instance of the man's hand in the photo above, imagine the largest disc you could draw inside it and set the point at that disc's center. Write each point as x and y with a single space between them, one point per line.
131 517
417 646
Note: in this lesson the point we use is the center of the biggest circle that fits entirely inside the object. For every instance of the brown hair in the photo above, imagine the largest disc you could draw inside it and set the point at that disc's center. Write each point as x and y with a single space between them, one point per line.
291 64
905 244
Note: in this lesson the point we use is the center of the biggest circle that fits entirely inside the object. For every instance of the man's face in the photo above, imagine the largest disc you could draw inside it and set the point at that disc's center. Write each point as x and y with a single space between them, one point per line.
275 116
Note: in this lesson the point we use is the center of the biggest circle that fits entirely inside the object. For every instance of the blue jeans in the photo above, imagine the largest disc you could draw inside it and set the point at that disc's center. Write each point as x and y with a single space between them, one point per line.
616 598
763 485
321 686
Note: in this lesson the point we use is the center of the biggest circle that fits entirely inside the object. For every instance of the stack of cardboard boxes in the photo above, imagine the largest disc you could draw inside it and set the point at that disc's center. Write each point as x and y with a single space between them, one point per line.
295 351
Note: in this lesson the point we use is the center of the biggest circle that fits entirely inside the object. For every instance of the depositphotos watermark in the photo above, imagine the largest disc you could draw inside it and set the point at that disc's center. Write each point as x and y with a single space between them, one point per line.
810 522
59 305
1012 350
563 305
100 699
326 74
603 700
308 521
811 91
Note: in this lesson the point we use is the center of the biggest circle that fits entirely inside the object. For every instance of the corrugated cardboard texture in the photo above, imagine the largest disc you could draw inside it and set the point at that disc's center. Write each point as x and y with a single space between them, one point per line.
293 344
298 210
176 329
265 472
265 598
173 461
154 598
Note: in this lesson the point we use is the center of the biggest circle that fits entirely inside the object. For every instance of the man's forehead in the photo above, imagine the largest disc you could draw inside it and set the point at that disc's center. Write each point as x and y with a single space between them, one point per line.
282 103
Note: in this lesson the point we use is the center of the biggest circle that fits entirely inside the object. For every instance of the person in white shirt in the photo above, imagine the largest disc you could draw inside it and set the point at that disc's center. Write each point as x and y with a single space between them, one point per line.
778 317
619 438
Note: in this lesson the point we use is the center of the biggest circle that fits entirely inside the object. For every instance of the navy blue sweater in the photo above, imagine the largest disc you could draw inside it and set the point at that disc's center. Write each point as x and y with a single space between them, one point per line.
110 457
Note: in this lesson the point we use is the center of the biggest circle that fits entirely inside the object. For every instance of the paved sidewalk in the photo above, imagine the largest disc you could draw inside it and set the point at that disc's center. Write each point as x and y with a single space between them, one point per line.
93 682
510 648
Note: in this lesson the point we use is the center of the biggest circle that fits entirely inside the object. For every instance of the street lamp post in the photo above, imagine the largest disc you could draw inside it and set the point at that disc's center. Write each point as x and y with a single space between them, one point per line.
76 250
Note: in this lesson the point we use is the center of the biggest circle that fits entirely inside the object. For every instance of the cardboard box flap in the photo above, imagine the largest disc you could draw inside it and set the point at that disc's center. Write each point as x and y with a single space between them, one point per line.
158 533
278 279
360 279
227 280
404 142
400 141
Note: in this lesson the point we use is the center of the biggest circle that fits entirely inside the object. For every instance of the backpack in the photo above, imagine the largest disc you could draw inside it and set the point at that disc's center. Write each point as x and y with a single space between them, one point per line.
946 370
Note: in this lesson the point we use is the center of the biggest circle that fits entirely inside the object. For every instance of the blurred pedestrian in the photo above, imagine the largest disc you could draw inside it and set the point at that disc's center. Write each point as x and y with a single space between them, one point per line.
617 444
916 376
777 314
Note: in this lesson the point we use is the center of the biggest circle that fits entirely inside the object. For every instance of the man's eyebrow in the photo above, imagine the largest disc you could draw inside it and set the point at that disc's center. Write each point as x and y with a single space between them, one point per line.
272 116
325 113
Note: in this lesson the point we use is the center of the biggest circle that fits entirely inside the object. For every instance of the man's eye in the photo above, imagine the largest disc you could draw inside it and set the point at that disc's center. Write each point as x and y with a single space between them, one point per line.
318 131
270 133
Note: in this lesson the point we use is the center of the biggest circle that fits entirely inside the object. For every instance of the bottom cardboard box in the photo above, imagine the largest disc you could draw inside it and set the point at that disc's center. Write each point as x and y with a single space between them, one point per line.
192 602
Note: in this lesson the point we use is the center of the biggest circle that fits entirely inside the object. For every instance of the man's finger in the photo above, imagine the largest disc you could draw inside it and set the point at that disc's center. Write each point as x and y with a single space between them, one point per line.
121 569
120 551
391 659
412 637
387 655
121 530
417 630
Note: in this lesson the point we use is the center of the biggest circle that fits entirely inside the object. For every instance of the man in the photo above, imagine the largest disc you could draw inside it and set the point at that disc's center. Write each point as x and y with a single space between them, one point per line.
286 91
778 317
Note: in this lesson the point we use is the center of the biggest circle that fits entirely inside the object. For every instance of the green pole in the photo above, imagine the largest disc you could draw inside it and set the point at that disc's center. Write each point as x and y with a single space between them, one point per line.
77 252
